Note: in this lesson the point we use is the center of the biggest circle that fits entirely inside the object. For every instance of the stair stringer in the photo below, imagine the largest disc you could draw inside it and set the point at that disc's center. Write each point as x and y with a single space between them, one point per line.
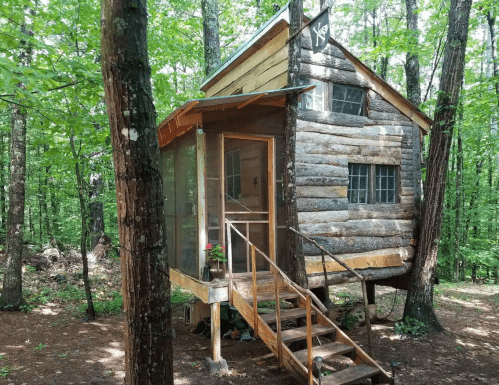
267 335
361 357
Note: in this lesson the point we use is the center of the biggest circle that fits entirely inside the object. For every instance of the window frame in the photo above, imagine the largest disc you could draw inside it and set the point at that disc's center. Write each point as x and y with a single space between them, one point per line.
328 96
371 184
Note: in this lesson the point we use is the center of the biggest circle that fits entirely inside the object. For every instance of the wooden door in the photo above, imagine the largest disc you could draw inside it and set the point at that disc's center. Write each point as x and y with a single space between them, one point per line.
248 190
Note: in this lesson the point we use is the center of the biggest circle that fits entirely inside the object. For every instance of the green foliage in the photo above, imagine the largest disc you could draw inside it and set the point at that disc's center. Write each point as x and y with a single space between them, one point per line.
215 253
410 326
349 321
6 370
180 296
40 346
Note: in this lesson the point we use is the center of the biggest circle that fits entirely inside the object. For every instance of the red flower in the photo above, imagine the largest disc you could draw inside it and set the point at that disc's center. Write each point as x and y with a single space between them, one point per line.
208 246
223 247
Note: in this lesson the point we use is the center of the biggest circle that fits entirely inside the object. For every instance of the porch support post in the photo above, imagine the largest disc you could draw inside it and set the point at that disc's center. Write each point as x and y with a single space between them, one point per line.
201 207
216 342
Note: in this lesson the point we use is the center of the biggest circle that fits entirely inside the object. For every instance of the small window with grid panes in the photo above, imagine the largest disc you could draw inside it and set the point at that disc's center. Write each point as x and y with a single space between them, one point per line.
370 183
334 97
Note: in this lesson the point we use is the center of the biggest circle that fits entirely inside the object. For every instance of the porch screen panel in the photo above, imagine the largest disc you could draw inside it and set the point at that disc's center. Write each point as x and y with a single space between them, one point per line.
186 205
168 173
213 197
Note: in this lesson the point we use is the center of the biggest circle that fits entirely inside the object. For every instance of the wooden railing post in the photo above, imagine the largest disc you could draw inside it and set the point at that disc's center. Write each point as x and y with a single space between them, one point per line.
255 296
278 316
308 306
229 259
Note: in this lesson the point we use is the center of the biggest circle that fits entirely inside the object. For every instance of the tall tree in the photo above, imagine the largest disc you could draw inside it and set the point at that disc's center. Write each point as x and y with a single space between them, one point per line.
419 302
294 247
412 58
132 119
12 297
211 36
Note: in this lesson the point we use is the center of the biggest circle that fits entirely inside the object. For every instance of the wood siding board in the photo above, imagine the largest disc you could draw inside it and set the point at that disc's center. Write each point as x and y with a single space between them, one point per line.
381 152
265 77
332 74
312 137
381 211
238 78
366 228
326 60
317 280
377 103
327 159
304 169
393 160
381 261
330 49
322 204
345 245
377 115
322 217
319 148
278 82
333 118
321 191
379 133
254 55
382 122
321 181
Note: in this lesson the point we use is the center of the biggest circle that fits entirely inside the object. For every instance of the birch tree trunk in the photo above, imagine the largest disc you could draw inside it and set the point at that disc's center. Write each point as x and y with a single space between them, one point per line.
419 302
132 118
412 59
12 296
294 246
211 36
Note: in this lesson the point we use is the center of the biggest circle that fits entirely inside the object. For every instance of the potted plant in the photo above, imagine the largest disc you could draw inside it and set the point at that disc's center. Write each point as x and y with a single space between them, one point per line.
216 254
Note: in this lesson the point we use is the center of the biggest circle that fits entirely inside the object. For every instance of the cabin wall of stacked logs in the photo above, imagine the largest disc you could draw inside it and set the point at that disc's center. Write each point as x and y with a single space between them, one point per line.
327 142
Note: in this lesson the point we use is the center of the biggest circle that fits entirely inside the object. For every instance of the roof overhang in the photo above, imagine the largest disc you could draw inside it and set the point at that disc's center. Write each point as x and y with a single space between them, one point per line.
190 115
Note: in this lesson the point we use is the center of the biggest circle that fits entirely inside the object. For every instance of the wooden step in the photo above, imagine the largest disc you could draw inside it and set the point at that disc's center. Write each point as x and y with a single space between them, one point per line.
298 334
286 314
351 375
270 296
325 351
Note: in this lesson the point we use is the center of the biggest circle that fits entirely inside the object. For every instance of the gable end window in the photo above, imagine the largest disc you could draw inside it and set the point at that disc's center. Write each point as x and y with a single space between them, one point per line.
369 183
334 97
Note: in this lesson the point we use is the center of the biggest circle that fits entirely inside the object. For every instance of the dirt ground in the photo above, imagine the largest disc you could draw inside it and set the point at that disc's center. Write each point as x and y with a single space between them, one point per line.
51 345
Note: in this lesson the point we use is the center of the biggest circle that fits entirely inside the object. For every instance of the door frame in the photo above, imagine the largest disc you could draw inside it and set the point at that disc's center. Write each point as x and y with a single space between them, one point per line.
271 185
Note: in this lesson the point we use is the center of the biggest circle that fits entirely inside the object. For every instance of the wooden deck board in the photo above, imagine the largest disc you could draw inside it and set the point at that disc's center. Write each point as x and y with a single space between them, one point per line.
325 351
350 375
298 334
287 314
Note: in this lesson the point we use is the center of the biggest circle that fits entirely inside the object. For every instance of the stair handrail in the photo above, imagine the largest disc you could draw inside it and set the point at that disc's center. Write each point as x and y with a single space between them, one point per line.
359 276
302 292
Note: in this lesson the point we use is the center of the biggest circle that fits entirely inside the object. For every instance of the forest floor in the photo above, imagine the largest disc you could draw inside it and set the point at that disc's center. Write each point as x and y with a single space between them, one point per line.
50 344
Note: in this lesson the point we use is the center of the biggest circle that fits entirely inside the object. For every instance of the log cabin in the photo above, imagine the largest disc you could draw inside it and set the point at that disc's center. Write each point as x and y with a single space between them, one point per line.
358 186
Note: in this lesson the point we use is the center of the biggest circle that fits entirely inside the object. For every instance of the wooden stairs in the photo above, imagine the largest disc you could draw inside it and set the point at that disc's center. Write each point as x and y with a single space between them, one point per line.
297 362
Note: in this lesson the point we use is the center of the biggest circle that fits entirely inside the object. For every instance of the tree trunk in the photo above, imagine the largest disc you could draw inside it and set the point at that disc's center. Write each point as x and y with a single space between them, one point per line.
211 37
3 181
412 58
419 303
132 118
84 230
96 224
294 244
458 205
12 295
